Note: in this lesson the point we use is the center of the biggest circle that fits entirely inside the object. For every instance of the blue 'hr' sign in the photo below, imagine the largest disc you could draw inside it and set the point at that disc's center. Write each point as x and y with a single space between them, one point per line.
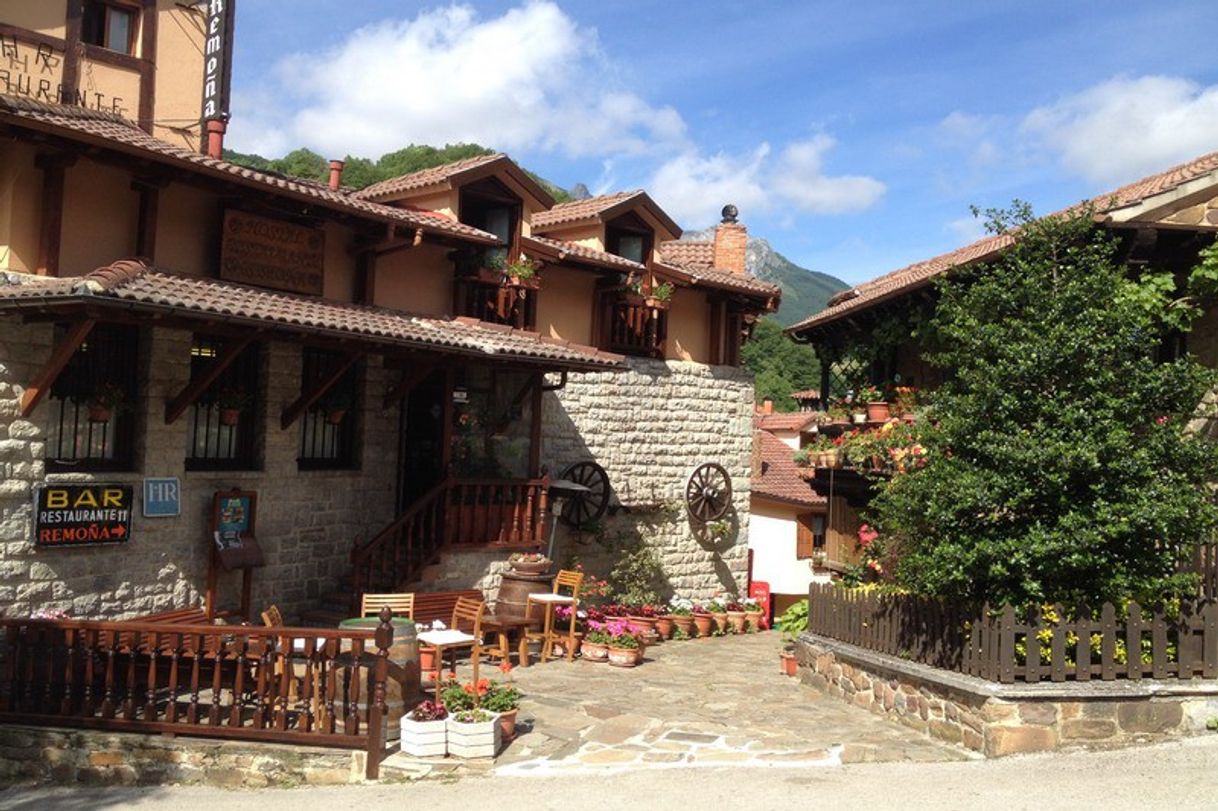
162 497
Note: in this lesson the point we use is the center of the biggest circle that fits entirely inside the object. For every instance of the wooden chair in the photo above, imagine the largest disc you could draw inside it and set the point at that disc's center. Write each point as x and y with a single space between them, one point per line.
467 613
271 618
565 579
402 605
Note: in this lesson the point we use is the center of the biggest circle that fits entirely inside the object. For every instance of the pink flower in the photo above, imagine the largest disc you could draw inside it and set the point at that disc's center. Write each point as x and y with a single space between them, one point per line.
1161 420
867 535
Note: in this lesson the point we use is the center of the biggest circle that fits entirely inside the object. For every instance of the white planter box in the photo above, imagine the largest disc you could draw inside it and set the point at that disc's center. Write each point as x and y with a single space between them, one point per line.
425 738
474 740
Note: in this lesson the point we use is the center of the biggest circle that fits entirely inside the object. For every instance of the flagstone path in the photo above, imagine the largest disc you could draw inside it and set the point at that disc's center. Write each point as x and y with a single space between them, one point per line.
698 703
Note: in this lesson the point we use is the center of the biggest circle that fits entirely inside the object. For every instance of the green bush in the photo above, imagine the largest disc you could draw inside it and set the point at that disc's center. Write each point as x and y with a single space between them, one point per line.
794 620
1058 467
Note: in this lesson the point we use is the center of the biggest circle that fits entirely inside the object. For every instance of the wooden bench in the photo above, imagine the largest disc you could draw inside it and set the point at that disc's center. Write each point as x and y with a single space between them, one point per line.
177 616
438 605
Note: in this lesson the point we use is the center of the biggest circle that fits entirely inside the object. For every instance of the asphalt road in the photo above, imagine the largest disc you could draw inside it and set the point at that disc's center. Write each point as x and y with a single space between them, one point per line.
1178 775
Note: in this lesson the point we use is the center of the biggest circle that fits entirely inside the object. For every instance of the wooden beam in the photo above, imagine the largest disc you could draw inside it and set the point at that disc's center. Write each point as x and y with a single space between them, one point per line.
195 388
535 427
54 365
145 238
148 45
50 230
406 384
71 52
294 411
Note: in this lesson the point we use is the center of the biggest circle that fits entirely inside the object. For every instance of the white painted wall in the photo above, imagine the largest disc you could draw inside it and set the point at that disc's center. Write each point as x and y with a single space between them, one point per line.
772 534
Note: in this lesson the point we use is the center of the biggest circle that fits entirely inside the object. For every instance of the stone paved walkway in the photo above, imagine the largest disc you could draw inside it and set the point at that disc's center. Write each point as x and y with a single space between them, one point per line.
713 702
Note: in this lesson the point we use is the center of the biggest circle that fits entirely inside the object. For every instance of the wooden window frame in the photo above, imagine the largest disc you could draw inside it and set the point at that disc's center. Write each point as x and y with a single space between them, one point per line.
315 363
109 7
632 225
245 434
807 540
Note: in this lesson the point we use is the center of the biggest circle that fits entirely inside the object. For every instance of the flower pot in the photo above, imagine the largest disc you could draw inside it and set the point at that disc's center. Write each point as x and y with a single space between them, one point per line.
335 415
534 567
665 625
860 418
427 664
479 739
655 304
625 657
704 623
684 623
754 619
531 283
789 664
720 621
594 651
645 626
633 299
736 620
424 738
230 416
909 418
507 724
99 413
560 644
878 411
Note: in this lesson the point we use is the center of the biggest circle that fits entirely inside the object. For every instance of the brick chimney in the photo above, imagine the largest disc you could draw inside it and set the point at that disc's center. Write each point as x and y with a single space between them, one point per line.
336 174
731 242
215 138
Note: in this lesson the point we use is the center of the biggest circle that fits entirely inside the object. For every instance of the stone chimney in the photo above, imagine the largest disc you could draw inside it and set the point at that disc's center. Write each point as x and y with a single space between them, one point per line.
731 242
215 138
336 174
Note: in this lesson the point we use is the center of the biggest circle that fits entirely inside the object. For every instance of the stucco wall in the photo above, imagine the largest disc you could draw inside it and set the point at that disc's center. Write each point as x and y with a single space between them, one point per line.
307 521
772 537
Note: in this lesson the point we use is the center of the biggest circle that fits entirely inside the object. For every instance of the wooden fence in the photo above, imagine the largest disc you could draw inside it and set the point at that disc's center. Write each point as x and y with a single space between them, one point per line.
1045 644
305 686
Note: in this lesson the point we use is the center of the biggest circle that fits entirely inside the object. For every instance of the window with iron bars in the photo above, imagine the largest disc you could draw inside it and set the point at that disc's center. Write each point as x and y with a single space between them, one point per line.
327 433
92 404
223 422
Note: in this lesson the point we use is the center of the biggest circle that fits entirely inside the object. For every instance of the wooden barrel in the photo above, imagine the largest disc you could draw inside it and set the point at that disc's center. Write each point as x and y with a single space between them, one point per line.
402 684
514 591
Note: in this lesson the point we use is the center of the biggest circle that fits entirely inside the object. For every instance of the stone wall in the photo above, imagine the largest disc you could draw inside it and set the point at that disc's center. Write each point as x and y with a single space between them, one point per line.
307 520
999 719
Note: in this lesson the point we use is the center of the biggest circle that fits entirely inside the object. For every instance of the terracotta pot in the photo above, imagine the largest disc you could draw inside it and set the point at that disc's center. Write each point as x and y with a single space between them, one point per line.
427 664
645 626
909 418
789 664
625 657
539 567
507 723
594 651
655 303
684 623
754 619
560 644
230 416
665 626
532 283
335 416
878 411
720 622
736 620
703 623
100 413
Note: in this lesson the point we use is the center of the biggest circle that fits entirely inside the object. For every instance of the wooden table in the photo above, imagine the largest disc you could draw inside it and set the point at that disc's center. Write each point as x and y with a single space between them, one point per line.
502 626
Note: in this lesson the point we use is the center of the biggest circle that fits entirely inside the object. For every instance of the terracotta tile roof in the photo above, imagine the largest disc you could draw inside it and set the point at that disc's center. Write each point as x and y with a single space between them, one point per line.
777 476
790 421
425 177
78 123
559 247
806 394
134 285
920 274
688 253
573 211
738 282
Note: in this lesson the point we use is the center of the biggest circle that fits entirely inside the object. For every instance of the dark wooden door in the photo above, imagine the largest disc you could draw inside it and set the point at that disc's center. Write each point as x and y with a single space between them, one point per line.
422 437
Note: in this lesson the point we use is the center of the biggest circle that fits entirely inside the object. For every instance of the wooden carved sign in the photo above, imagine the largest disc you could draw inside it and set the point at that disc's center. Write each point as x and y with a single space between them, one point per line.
272 253
67 515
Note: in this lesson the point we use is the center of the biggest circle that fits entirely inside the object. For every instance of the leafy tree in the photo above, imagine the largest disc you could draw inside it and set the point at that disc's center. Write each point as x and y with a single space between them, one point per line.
780 365
1059 466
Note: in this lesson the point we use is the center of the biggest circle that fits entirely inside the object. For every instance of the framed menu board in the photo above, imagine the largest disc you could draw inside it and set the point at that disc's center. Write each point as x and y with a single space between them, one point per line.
233 526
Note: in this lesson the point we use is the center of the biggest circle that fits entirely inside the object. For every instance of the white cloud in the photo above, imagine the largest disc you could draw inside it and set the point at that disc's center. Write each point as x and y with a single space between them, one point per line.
967 229
975 135
693 187
1128 127
529 78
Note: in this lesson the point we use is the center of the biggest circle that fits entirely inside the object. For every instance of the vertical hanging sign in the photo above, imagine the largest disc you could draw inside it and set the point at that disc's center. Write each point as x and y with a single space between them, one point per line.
217 58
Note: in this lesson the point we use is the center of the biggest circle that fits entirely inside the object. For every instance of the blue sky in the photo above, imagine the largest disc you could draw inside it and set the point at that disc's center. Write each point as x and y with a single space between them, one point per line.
853 136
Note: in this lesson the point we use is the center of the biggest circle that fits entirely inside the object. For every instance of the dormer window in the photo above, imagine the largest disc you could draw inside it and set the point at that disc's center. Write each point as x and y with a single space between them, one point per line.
489 205
109 25
629 237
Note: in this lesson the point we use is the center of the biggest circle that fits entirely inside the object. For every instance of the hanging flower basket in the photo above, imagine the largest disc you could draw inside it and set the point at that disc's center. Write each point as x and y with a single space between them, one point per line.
100 413
230 416
336 415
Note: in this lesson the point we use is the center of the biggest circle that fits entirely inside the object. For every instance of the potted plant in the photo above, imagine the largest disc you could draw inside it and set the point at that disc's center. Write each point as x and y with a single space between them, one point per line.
231 402
665 625
105 400
632 292
703 621
905 403
878 409
794 621
660 296
718 611
473 733
642 620
504 701
530 562
424 730
336 407
595 647
681 611
752 612
521 272
819 558
735 616
625 647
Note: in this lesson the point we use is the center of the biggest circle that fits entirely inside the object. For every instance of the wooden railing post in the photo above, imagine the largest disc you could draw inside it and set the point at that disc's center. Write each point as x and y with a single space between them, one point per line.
377 706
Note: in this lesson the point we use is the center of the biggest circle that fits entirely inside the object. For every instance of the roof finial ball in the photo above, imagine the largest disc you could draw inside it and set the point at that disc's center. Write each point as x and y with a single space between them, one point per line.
730 213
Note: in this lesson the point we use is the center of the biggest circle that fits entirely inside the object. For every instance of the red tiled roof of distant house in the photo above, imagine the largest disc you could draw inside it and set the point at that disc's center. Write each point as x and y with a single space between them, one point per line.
806 394
790 421
778 477
923 273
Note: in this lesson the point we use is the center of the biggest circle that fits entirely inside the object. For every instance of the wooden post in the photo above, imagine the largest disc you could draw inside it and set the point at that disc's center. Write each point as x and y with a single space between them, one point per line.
50 230
377 707
535 429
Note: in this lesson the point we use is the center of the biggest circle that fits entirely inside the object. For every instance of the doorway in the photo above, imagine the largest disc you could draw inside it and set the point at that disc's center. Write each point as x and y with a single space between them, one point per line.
422 438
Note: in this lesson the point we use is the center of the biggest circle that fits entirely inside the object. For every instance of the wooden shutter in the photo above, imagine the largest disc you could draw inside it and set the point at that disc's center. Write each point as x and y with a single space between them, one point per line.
804 536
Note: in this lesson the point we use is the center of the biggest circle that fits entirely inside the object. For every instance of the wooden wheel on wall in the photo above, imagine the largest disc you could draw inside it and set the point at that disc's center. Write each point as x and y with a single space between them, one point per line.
582 510
708 493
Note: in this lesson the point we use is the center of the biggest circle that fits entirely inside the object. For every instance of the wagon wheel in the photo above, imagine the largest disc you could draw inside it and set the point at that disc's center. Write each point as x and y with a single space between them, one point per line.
582 510
708 493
